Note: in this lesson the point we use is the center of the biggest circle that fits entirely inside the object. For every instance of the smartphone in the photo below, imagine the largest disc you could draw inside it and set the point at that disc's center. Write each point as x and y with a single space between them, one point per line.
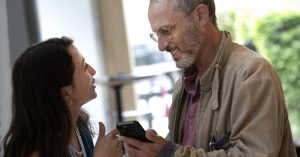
132 129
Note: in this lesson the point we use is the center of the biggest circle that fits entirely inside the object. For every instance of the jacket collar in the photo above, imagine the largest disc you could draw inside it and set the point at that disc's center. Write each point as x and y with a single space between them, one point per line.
210 79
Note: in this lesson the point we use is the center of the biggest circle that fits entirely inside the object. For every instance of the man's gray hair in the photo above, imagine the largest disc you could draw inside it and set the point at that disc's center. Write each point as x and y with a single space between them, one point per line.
187 6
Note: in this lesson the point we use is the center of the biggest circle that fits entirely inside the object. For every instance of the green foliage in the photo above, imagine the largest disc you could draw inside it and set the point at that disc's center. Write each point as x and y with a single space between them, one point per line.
239 24
277 37
226 22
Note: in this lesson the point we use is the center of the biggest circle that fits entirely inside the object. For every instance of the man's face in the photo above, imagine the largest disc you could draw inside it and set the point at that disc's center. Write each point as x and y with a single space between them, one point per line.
175 32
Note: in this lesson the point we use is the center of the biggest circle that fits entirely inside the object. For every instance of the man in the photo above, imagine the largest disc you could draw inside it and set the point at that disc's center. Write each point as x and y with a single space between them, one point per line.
229 100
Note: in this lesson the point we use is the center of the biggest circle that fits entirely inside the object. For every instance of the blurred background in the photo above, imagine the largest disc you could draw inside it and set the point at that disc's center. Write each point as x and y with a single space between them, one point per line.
134 79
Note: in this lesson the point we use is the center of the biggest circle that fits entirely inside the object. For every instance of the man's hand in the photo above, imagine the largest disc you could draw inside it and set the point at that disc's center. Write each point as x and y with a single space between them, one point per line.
136 148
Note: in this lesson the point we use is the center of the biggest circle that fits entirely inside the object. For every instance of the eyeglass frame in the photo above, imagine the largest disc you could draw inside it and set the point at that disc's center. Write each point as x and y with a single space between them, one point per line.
165 32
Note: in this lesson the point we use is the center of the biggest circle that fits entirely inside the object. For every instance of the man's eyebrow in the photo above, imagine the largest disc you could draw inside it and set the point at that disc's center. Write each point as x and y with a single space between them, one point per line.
166 26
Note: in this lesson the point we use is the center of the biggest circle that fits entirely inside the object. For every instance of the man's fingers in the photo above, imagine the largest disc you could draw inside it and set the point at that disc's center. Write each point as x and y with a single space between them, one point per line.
151 130
132 150
131 141
152 136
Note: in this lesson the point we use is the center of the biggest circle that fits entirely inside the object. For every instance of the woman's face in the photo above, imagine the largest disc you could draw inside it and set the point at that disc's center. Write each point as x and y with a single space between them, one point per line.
82 88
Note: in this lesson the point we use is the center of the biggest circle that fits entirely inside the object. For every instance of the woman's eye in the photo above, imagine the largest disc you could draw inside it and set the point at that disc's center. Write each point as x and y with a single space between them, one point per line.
86 66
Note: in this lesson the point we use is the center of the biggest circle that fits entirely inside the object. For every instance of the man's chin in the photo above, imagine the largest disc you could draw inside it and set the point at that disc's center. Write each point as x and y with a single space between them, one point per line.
182 66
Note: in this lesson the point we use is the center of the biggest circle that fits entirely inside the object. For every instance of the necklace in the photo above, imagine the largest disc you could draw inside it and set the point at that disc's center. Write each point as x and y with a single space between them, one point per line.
82 152
76 151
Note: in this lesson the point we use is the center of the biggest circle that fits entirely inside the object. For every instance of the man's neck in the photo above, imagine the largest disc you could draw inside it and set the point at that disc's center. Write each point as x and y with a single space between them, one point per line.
209 51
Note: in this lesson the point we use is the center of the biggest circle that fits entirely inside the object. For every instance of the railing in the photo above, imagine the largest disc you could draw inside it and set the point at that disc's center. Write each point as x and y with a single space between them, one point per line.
117 82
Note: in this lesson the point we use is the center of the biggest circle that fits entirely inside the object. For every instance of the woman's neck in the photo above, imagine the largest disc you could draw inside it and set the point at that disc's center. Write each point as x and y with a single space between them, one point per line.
74 115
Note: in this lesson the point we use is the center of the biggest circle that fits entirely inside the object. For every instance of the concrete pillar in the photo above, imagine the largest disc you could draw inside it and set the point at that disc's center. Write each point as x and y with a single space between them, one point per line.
117 55
5 85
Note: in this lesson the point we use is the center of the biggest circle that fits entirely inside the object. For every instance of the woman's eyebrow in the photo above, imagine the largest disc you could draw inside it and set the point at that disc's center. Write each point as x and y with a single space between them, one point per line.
83 62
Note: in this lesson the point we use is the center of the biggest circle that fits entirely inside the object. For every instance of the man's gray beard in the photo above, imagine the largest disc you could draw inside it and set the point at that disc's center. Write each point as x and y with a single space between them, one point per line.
186 61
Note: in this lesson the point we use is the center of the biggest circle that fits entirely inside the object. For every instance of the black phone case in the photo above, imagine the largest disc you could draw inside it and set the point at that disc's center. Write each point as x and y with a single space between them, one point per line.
132 129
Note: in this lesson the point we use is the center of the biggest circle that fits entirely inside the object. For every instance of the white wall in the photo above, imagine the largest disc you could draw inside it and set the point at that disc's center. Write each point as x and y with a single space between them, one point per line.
5 88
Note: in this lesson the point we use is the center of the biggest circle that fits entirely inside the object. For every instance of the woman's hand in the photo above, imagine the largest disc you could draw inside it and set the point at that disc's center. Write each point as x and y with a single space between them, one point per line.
107 145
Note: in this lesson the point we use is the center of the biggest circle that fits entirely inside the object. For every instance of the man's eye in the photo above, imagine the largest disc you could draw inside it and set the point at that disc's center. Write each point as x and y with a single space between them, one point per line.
165 31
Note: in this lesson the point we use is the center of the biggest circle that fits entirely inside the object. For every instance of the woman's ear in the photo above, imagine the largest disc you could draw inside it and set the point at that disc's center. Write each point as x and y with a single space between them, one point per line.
66 92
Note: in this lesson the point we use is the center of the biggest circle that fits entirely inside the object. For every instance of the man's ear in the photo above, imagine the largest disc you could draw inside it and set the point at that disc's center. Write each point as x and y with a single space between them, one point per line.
66 92
201 14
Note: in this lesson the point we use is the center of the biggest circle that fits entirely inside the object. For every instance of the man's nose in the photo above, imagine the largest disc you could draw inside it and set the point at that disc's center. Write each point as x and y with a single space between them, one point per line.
163 44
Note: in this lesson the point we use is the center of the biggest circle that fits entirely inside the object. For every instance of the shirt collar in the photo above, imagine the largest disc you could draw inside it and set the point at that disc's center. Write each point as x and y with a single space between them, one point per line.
191 83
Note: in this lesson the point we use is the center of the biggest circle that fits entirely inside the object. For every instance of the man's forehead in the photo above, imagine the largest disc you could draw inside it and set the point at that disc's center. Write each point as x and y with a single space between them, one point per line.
161 4
161 13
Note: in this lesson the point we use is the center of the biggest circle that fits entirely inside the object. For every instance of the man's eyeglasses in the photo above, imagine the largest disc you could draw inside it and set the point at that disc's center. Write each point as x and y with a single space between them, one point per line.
164 33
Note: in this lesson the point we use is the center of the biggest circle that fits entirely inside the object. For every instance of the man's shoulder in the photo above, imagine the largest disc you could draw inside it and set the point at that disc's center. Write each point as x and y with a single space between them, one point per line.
244 57
244 61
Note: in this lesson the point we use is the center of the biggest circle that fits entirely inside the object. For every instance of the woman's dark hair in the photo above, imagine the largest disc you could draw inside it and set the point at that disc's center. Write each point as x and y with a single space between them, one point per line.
41 120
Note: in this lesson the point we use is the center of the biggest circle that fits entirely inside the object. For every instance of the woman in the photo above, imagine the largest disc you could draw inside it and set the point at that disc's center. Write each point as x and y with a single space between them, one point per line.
51 81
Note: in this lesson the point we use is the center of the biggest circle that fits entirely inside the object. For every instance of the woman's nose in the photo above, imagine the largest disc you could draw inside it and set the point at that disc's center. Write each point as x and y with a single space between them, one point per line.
92 71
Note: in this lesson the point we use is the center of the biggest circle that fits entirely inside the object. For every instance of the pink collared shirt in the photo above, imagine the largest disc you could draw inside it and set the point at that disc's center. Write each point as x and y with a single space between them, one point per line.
192 87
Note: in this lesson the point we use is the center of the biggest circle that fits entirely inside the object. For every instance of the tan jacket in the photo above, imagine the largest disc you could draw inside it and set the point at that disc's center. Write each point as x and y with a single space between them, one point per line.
240 94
